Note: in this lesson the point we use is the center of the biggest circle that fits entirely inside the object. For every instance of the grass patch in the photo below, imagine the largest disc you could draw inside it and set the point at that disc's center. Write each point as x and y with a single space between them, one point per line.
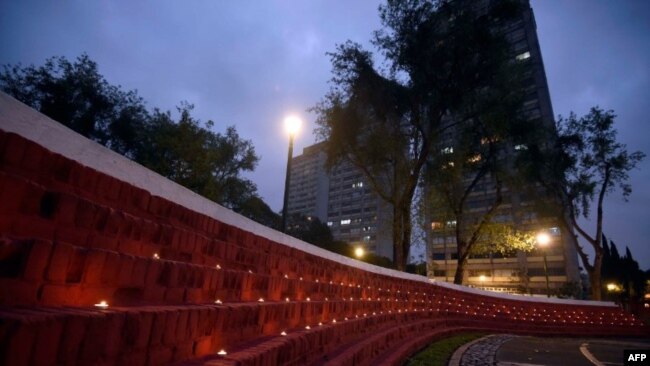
440 351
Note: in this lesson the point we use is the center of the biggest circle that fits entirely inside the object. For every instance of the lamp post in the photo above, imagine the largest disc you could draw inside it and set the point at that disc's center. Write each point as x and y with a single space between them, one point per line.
291 125
543 239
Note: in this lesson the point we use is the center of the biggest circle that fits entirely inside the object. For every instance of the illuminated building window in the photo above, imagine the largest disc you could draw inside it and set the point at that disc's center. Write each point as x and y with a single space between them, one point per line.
523 56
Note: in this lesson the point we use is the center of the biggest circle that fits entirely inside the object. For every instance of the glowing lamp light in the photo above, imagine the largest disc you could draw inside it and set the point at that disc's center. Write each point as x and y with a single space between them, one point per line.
359 252
320 323
292 125
156 256
283 333
308 299
222 352
218 267
481 278
333 320
218 302
307 327
102 305
543 239
286 299
260 300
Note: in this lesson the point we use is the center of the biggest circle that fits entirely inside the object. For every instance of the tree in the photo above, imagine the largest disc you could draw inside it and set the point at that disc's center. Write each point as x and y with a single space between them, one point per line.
441 57
194 156
185 151
309 229
257 210
76 95
473 160
582 165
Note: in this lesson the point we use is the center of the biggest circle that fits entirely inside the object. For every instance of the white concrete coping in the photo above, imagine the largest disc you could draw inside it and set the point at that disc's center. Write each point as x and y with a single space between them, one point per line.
19 118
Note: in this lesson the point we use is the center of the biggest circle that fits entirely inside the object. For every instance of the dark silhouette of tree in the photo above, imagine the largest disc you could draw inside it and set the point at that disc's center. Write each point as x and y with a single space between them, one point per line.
256 209
185 151
309 229
441 59
194 156
579 168
76 95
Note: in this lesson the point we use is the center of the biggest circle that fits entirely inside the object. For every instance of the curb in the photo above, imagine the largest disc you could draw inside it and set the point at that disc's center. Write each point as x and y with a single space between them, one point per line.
456 357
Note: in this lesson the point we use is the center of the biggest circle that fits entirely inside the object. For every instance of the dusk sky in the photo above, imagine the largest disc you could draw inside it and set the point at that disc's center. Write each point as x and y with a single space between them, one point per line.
251 63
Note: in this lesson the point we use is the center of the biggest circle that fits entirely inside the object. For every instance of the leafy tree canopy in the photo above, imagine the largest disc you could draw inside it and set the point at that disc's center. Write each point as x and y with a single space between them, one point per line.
579 168
185 150
75 94
441 58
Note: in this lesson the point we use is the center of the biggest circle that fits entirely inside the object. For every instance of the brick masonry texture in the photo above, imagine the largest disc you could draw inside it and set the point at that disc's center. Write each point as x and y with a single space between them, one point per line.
71 236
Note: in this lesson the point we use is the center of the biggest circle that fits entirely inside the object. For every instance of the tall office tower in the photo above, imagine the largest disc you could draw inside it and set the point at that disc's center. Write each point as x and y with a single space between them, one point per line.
517 272
356 214
309 184
341 198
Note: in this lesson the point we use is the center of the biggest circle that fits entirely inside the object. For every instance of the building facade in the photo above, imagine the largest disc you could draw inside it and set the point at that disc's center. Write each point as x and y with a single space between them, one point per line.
515 272
342 199
309 184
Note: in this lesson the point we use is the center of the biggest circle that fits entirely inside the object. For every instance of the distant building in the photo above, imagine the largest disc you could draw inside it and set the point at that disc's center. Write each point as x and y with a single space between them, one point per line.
520 271
309 184
342 199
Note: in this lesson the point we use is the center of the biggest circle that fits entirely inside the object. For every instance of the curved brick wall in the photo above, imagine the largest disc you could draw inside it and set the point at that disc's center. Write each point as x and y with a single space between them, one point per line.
80 224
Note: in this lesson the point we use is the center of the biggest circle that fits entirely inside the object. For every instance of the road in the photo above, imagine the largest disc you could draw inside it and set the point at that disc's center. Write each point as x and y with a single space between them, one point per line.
529 351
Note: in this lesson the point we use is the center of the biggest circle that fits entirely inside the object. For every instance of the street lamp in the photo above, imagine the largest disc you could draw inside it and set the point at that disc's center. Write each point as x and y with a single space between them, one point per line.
543 239
359 252
291 125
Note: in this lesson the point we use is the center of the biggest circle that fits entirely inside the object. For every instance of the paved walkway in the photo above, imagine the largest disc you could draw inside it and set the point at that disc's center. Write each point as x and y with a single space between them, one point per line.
480 352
